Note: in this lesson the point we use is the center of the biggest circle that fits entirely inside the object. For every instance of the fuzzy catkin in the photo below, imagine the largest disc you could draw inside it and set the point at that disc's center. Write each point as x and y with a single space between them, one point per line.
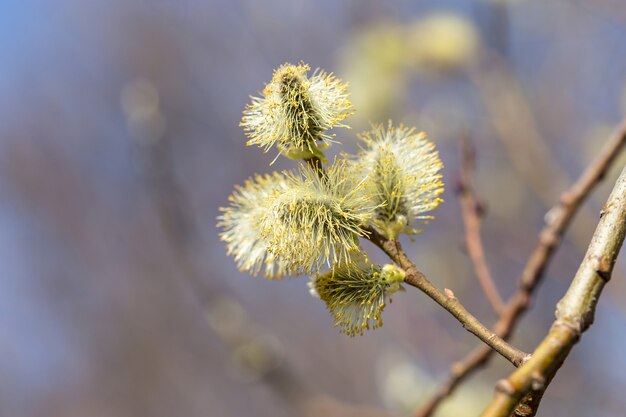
241 224
356 293
317 220
295 111
403 180
310 220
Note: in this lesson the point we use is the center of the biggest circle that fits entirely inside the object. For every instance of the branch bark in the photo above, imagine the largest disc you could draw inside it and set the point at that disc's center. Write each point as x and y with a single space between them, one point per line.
558 219
574 313
447 300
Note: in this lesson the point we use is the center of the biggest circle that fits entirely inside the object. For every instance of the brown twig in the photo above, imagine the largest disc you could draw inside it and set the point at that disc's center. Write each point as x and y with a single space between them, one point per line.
471 212
447 300
557 221
574 313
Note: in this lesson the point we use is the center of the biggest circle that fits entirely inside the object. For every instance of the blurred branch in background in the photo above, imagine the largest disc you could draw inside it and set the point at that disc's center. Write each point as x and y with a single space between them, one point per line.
471 211
613 9
557 221
513 121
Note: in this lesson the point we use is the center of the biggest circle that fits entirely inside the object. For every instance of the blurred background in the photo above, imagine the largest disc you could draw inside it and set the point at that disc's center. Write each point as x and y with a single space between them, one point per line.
119 140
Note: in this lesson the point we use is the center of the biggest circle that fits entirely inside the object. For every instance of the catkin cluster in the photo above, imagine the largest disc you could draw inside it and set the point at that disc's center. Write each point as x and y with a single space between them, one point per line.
309 221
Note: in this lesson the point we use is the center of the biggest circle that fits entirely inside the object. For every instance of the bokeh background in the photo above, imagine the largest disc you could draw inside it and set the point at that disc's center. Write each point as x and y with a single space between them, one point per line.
119 140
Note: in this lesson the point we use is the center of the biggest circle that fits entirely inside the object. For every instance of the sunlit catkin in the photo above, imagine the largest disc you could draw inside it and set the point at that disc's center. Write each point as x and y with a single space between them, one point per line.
241 223
356 293
403 179
310 220
318 219
295 111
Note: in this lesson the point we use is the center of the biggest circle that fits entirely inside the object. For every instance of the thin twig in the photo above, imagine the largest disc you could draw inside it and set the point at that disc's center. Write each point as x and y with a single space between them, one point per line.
574 313
446 300
463 368
558 219
471 213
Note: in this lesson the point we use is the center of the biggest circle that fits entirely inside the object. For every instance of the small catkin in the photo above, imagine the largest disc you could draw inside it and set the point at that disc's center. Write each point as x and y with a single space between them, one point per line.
403 179
356 293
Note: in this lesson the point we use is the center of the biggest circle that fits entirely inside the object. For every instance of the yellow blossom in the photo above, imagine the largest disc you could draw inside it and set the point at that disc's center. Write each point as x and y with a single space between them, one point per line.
318 219
356 292
241 223
403 179
295 111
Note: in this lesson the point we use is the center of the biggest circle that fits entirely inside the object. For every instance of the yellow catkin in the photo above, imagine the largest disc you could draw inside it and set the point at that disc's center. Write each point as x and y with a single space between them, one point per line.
295 111
356 293
318 220
402 169
241 224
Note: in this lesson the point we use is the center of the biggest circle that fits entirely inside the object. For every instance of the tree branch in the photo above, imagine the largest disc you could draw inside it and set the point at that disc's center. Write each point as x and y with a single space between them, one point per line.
446 300
558 219
575 311
471 213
